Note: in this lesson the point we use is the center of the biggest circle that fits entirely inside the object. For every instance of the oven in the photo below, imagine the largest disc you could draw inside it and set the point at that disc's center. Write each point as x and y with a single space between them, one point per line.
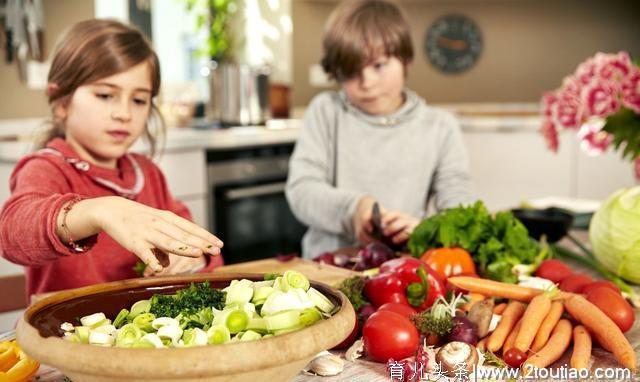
248 208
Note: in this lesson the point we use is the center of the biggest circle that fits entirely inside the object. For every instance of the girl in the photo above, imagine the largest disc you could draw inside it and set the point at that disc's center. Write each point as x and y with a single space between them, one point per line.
82 209
373 141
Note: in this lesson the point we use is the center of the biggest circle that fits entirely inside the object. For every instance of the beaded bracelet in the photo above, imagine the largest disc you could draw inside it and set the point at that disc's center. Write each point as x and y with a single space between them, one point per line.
65 210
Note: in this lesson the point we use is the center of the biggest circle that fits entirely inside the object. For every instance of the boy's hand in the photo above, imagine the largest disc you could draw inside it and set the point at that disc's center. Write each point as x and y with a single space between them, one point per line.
143 230
398 225
361 220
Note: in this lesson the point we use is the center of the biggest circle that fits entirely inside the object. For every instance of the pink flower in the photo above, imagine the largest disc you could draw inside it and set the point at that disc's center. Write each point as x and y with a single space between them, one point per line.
586 71
550 134
613 67
637 167
593 139
567 111
631 91
600 98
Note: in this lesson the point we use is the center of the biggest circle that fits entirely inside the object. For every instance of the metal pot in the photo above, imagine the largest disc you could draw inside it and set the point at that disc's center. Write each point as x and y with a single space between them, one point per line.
239 94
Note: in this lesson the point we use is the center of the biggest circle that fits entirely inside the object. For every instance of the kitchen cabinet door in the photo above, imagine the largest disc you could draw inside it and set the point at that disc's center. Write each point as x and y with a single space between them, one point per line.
185 172
511 166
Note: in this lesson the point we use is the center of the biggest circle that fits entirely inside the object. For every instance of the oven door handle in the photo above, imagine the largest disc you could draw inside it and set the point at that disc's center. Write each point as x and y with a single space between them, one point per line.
254 191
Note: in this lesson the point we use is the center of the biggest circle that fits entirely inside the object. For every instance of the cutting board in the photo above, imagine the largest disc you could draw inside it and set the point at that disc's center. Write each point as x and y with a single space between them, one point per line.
324 273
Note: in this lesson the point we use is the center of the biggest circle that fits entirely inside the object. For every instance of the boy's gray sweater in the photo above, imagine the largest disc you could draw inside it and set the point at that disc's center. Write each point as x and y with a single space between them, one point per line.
401 159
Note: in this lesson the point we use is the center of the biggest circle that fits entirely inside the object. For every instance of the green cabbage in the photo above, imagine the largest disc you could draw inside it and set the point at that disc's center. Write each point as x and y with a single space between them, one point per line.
614 233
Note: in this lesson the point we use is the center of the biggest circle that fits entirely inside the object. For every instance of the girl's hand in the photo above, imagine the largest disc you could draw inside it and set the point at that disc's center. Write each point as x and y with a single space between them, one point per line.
141 230
398 225
361 220
179 265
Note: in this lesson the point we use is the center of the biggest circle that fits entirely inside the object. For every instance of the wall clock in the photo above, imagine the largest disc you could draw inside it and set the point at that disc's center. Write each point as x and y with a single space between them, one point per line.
453 43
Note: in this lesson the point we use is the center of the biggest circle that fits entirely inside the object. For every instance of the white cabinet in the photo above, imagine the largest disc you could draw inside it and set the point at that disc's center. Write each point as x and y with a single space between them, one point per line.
186 174
511 166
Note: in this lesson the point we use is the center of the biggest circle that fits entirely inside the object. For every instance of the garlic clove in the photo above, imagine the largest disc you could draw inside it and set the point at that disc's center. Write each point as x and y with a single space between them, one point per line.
355 351
325 364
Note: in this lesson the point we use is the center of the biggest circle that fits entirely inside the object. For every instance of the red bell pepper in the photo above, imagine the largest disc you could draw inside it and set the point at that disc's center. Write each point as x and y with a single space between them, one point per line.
405 280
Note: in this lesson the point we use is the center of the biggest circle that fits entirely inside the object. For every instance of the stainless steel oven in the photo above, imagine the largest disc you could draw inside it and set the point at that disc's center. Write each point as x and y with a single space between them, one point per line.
248 209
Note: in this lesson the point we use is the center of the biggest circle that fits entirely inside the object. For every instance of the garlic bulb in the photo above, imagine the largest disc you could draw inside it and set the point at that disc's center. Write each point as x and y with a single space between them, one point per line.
325 364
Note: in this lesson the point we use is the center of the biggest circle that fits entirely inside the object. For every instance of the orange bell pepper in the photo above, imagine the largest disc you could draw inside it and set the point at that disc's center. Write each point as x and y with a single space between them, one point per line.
16 365
449 262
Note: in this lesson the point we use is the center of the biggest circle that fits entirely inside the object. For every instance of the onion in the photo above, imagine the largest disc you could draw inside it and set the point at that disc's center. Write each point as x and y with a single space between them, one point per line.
463 331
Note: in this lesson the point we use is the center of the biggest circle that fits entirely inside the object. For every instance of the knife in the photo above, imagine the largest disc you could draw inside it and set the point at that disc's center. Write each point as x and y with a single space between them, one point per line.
376 221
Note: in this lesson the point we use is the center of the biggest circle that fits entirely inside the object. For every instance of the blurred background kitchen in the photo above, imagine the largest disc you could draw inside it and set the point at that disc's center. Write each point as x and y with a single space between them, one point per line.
232 123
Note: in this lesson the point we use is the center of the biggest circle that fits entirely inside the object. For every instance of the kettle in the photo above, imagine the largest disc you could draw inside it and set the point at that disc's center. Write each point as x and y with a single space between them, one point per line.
238 94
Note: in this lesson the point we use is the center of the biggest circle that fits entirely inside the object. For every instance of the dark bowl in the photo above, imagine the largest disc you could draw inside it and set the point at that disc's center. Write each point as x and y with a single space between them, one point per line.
552 222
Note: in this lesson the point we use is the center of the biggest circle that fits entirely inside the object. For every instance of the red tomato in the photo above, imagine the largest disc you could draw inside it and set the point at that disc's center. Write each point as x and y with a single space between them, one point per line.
553 270
614 306
388 334
514 357
575 283
601 284
449 261
351 338
399 308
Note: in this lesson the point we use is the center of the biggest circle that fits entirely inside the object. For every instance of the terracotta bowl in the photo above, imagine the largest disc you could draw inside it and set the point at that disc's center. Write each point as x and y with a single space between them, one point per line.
271 359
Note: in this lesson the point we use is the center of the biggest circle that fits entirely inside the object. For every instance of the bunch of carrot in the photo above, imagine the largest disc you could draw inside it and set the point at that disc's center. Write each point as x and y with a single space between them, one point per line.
539 329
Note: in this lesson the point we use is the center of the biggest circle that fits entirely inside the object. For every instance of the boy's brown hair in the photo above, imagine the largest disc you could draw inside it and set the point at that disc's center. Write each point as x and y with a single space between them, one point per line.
359 31
95 49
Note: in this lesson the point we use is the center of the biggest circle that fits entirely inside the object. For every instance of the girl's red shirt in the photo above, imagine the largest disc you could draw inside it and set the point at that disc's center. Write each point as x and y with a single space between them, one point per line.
41 184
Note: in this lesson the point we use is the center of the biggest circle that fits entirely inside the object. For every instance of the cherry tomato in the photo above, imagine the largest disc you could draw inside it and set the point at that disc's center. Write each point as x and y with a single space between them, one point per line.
449 261
601 284
614 306
399 308
553 270
388 334
575 283
514 357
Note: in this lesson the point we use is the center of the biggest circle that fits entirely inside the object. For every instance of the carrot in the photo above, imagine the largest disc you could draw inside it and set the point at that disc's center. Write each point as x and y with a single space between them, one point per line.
581 348
498 309
508 343
532 318
547 326
605 330
553 350
494 288
482 344
510 317
473 298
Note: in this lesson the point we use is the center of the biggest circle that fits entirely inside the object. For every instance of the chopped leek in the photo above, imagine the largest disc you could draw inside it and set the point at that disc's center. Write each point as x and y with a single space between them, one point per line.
164 321
83 333
139 307
237 321
144 320
108 329
218 334
121 318
283 320
93 319
153 339
279 301
128 335
239 292
310 316
295 279
171 332
100 338
194 337
323 303
250 335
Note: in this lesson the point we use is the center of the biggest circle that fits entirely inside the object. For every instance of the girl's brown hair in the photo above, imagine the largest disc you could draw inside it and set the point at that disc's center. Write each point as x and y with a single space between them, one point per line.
94 49
358 31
